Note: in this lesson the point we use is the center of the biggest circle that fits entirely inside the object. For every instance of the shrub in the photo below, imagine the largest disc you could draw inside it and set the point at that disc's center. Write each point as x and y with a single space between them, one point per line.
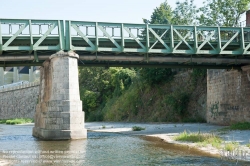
198 73
137 128
231 146
240 126
199 137
18 121
3 121
178 101
156 75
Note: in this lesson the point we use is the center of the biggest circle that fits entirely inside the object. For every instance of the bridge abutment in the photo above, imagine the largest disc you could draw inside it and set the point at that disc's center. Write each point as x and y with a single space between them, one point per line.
59 112
228 96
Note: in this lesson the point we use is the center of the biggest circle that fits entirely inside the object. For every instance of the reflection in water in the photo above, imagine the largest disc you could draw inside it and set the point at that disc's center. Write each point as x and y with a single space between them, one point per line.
99 149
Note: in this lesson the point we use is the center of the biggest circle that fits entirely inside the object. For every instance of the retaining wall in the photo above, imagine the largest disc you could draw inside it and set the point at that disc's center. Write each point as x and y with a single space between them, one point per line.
228 96
19 101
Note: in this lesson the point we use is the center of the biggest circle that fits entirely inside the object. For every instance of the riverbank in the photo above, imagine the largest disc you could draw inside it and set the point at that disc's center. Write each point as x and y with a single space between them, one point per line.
4 163
16 121
167 132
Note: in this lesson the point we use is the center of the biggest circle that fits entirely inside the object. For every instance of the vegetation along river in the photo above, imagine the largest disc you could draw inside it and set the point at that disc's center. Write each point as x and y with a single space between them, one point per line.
18 147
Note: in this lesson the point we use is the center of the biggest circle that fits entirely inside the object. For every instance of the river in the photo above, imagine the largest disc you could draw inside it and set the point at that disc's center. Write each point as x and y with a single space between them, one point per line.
19 148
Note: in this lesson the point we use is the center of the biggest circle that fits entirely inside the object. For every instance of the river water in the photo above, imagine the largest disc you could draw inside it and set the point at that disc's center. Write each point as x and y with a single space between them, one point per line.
18 147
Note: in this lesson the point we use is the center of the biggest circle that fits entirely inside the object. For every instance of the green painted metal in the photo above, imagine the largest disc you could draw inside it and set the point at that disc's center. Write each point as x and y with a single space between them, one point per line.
36 57
45 37
1 40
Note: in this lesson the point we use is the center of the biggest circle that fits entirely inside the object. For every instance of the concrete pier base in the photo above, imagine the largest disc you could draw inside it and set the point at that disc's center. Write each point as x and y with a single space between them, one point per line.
59 114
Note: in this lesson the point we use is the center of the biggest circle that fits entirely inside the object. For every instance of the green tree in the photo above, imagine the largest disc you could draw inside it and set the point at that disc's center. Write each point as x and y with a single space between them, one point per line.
222 12
95 87
122 80
98 85
162 14
185 13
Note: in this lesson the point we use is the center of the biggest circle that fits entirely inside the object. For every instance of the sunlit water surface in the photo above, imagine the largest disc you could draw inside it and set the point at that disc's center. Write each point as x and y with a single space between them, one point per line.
18 147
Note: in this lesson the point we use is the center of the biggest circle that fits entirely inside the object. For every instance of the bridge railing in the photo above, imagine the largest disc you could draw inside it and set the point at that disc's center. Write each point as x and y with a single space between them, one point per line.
150 38
41 36
31 35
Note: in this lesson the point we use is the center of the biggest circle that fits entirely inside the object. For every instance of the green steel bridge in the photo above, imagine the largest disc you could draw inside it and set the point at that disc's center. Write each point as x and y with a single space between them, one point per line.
30 42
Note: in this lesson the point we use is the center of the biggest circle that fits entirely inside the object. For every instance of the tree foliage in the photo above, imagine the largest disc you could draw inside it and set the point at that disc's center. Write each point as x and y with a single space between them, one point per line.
156 75
185 13
222 12
98 85
178 102
162 14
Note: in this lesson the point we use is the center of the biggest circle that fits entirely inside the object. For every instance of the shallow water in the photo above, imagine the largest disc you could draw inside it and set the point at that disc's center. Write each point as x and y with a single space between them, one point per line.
18 147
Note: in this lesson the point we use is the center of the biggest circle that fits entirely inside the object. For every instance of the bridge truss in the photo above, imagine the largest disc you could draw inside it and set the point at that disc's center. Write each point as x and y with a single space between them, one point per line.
30 42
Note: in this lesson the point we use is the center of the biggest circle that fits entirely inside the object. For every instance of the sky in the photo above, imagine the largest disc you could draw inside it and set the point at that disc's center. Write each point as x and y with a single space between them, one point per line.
120 11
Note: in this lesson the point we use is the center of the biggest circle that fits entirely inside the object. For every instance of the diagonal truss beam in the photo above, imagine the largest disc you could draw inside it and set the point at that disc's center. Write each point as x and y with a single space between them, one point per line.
183 40
110 38
15 35
206 41
44 36
234 36
135 38
83 36
246 48
159 39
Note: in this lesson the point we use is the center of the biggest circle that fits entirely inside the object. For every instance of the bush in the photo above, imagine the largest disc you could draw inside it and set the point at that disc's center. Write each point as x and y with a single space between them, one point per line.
156 75
137 128
178 101
124 107
100 85
3 121
240 126
89 100
198 73
199 137
231 146
18 121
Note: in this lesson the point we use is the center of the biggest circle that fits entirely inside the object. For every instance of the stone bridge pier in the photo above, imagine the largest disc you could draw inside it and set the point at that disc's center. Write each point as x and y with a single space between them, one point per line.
228 96
59 112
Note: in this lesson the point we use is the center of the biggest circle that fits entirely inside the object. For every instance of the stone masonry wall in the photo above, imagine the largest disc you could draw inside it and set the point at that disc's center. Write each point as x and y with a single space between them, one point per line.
19 102
59 112
228 96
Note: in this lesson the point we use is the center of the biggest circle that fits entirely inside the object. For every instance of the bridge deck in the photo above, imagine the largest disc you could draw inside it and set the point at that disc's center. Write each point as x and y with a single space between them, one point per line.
30 42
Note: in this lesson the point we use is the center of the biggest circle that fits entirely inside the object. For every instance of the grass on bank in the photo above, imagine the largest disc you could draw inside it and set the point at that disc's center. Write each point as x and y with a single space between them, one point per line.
231 146
204 139
16 121
137 128
240 126
235 126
